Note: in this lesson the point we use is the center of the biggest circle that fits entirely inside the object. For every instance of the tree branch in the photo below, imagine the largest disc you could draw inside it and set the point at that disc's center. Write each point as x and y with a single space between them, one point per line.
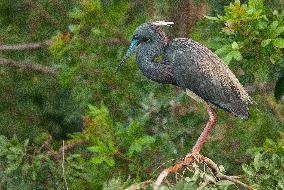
115 41
29 66
201 159
70 146
62 165
138 186
47 43
26 46
215 169
45 14
260 88
66 147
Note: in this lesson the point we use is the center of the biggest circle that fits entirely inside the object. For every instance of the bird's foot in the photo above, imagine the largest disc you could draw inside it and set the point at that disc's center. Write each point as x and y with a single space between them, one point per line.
187 160
193 157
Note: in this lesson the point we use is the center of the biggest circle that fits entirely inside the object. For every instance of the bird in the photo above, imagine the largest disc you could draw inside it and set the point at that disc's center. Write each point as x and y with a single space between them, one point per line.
191 66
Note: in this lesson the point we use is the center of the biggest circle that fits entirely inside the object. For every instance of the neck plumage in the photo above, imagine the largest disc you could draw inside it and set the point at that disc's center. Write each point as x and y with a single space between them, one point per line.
159 72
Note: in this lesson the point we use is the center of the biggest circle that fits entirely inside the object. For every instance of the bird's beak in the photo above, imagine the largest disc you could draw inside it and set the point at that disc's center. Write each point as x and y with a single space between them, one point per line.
133 45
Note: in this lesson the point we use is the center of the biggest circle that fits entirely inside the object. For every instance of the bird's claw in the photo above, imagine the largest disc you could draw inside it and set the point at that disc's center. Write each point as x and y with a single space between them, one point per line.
193 155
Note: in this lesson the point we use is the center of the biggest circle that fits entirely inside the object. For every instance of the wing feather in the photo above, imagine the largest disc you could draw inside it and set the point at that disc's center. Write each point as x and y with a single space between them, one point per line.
202 72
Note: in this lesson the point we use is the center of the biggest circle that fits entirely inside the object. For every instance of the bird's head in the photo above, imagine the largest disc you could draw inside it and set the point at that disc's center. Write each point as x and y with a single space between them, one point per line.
145 33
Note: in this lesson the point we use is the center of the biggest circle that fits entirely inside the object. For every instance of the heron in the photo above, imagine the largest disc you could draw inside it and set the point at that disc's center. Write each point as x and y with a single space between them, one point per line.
191 66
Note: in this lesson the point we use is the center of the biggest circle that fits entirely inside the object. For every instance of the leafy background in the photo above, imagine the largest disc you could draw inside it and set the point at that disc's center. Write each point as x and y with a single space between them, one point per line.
122 129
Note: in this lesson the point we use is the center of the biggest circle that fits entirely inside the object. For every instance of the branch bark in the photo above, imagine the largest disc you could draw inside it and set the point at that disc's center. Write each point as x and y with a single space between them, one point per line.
62 165
115 41
138 186
29 66
47 43
26 46
260 88
45 14
57 154
201 159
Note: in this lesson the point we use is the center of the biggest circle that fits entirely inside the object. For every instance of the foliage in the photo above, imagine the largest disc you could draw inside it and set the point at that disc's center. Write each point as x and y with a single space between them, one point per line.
31 103
252 41
266 169
111 146
21 168
129 128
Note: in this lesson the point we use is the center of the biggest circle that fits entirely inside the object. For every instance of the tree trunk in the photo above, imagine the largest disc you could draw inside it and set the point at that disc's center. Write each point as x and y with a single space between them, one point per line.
184 13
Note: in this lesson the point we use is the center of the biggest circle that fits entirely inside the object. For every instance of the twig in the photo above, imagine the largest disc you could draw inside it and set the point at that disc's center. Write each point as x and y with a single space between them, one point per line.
63 170
115 41
260 88
215 169
47 43
173 169
45 14
68 146
29 66
141 185
201 159
26 46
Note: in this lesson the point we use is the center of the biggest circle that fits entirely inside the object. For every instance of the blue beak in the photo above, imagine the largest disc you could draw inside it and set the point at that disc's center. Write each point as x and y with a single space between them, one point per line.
133 45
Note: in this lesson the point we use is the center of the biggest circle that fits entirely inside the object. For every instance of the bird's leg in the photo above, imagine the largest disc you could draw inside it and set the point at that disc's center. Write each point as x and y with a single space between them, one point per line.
209 126
194 155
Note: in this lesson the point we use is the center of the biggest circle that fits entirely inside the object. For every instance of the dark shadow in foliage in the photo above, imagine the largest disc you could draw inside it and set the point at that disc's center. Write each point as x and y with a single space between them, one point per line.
279 89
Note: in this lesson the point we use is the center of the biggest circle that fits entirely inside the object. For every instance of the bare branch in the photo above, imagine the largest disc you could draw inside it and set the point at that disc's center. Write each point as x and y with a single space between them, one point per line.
260 88
61 6
215 169
115 41
26 46
66 147
47 43
71 145
62 164
29 66
141 185
200 159
45 14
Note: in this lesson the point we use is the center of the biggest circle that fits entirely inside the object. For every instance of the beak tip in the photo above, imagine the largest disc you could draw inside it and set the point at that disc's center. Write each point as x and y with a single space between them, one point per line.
118 67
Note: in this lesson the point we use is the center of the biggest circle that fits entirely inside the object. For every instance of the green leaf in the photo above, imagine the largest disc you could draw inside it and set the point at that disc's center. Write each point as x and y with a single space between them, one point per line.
235 45
224 50
255 4
237 55
228 58
139 144
96 32
247 170
257 161
279 89
212 18
96 149
270 145
265 42
101 159
262 24
279 31
74 28
224 184
278 42
233 55
273 25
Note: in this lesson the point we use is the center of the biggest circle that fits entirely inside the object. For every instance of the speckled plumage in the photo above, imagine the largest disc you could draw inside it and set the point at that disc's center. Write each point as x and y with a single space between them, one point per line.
192 66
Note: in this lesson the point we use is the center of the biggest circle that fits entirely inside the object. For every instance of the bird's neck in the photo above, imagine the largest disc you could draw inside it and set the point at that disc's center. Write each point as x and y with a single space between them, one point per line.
156 71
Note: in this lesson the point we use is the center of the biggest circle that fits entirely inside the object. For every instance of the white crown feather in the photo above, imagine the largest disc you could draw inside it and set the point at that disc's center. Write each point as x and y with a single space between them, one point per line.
162 23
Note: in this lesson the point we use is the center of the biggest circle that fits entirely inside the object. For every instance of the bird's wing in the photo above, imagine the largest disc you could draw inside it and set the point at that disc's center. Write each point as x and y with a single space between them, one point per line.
201 71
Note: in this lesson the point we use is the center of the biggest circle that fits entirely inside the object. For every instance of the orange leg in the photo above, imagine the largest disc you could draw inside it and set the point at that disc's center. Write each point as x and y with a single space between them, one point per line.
209 126
194 155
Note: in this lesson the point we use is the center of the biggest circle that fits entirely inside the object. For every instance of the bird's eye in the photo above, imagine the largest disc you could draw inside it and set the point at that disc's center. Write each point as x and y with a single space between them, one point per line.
135 37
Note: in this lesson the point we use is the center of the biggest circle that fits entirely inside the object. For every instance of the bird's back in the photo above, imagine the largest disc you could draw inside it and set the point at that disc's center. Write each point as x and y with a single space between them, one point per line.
201 71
